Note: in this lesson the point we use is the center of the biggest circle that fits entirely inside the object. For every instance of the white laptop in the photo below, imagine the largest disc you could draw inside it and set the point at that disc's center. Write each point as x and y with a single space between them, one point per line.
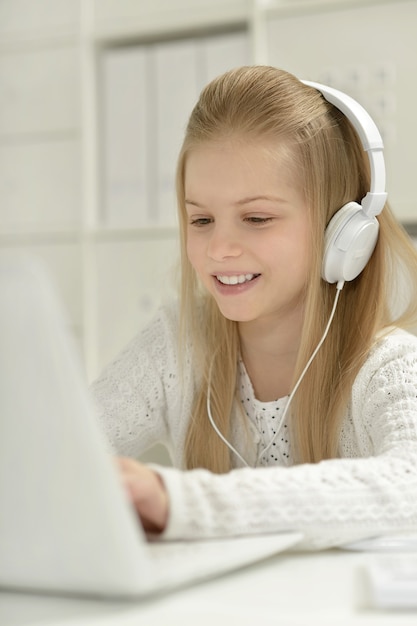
65 523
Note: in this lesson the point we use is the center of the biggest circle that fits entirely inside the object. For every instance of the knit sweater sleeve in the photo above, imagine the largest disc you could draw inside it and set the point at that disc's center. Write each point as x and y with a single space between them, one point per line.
136 396
374 491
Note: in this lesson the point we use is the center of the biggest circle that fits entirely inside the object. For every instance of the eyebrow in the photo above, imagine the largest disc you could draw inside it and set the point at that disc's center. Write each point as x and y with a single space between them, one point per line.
241 202
250 199
200 206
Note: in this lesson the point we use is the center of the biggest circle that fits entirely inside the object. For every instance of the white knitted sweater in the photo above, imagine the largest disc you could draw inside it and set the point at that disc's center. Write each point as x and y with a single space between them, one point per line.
371 489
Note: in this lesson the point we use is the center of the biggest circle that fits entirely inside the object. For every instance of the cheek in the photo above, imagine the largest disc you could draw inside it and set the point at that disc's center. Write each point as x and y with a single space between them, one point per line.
297 251
193 250
305 253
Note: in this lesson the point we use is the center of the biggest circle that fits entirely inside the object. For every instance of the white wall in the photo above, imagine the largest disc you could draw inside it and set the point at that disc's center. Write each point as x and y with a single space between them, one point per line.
369 51
40 139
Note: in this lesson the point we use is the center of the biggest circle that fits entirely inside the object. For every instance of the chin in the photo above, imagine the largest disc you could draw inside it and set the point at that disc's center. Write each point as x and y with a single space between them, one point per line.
236 316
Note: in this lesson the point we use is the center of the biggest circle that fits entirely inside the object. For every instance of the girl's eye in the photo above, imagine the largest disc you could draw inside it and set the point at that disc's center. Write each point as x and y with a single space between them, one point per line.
256 219
200 221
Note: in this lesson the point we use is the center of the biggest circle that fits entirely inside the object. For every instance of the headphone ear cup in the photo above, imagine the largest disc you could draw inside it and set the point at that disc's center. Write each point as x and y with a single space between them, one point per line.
349 241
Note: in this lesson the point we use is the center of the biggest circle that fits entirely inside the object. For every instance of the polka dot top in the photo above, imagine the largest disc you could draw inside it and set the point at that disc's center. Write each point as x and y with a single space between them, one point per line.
273 446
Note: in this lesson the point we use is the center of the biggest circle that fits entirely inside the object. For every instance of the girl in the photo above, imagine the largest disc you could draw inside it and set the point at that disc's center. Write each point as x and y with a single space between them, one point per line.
265 164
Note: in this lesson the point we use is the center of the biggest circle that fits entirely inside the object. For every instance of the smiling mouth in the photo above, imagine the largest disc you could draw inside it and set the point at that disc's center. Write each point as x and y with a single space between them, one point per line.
239 279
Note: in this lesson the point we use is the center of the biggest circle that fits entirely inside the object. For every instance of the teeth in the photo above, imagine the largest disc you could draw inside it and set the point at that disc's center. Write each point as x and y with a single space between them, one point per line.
234 280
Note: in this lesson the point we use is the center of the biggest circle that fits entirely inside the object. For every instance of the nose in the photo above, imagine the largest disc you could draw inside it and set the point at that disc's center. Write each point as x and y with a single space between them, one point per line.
224 243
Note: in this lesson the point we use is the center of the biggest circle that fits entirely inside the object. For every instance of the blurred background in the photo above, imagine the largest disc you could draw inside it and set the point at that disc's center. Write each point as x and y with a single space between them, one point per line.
94 97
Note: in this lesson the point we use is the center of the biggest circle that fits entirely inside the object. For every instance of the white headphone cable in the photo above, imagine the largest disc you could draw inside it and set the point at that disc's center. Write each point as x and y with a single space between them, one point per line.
212 422
339 288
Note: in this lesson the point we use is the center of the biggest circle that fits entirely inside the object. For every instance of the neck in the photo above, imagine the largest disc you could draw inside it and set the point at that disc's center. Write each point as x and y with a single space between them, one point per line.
269 351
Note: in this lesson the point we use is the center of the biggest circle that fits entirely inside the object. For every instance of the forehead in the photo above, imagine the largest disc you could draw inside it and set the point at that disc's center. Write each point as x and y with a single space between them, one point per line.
243 162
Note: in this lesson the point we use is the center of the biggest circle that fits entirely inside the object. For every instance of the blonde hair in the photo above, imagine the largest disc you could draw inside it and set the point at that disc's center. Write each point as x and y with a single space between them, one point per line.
257 103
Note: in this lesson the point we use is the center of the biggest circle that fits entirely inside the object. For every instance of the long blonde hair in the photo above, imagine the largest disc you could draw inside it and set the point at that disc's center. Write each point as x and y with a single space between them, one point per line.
260 102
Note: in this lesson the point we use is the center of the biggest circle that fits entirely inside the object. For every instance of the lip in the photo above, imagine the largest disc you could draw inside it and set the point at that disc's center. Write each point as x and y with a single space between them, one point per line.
234 289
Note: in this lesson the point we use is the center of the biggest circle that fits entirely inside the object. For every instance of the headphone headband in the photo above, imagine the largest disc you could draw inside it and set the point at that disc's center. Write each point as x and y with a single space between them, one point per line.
374 201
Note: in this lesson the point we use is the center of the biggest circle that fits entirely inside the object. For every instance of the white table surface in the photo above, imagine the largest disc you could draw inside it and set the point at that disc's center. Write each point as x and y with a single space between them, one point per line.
290 589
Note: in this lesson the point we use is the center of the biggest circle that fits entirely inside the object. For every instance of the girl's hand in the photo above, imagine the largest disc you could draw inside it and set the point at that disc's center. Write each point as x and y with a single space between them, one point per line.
146 492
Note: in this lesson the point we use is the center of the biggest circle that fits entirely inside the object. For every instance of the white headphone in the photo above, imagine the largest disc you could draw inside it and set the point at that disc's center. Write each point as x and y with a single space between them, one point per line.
352 233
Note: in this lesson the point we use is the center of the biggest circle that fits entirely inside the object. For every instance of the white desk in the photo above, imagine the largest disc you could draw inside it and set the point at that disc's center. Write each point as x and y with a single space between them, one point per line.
287 590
